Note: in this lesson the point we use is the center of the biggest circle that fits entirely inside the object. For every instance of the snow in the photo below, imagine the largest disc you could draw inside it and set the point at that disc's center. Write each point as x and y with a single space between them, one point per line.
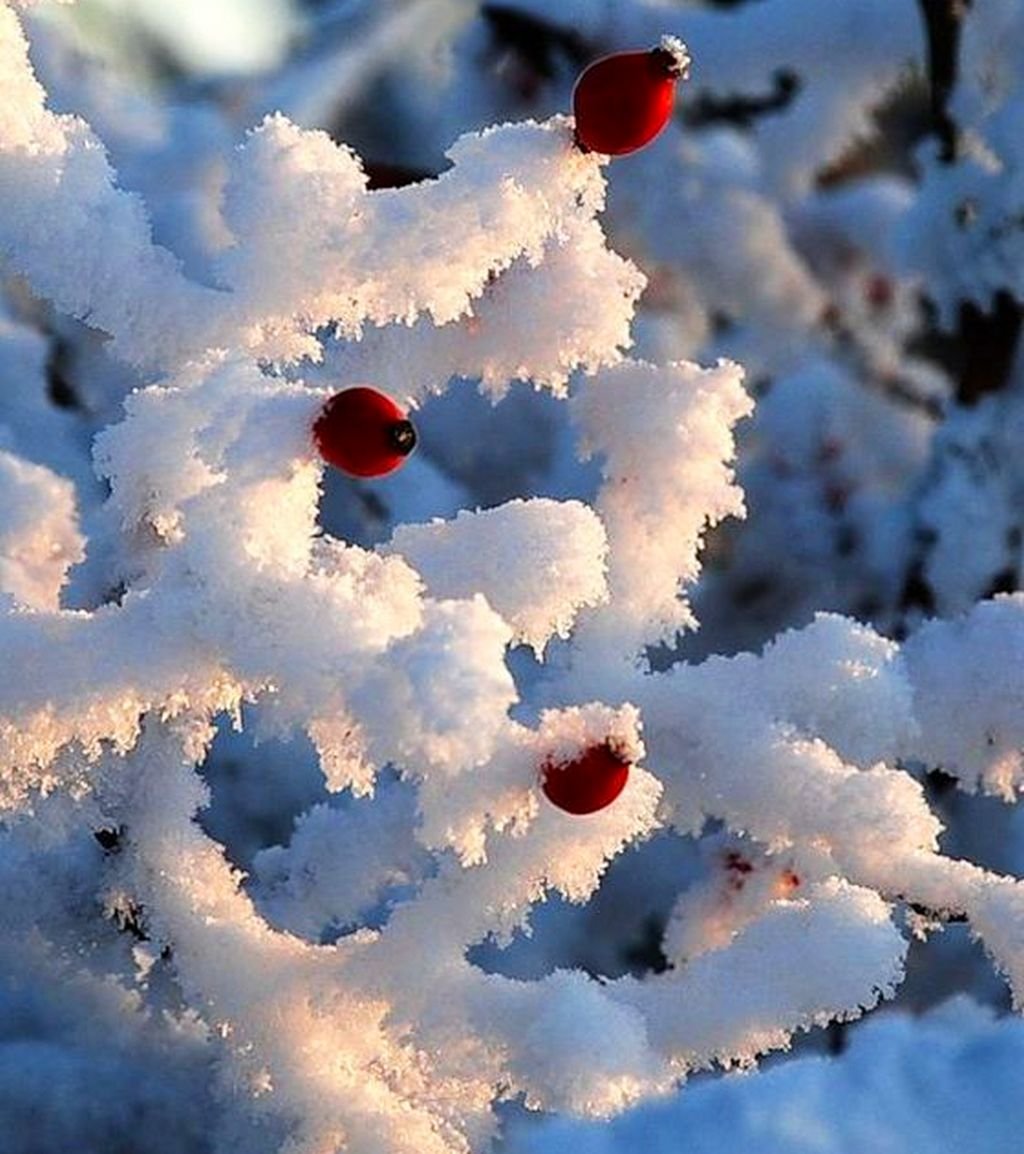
370 935
946 1082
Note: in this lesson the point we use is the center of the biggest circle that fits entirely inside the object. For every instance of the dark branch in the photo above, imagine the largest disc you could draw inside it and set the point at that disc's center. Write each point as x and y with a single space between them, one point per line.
943 19
989 342
740 109
538 41
58 375
948 916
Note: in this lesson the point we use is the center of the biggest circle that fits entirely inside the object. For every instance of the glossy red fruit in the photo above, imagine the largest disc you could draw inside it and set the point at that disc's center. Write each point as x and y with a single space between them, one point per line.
363 432
587 783
621 102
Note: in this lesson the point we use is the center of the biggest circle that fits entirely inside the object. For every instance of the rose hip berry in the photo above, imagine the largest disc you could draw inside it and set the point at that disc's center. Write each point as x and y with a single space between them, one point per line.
363 432
589 782
621 102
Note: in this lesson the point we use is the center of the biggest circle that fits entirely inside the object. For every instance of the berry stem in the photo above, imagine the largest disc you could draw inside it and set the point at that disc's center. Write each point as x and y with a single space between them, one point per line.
674 56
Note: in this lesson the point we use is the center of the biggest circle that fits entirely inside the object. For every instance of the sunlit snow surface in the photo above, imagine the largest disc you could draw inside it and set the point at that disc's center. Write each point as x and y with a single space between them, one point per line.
948 1083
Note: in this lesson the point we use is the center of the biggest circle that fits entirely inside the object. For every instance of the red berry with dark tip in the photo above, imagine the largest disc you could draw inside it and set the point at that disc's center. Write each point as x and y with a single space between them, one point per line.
621 102
590 781
363 432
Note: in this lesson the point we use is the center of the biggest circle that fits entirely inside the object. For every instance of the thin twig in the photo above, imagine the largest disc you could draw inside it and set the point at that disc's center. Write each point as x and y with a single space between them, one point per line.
943 19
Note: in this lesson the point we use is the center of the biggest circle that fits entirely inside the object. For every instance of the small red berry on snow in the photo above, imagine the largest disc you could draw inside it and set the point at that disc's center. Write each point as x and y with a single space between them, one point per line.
621 102
587 783
363 432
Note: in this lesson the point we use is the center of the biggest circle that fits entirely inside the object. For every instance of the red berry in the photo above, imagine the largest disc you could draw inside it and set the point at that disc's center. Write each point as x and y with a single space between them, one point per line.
588 783
363 432
621 102
878 291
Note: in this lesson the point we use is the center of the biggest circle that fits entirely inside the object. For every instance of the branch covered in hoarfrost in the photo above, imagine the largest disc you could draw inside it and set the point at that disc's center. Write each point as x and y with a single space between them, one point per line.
971 723
568 302
86 245
664 434
345 1005
538 590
